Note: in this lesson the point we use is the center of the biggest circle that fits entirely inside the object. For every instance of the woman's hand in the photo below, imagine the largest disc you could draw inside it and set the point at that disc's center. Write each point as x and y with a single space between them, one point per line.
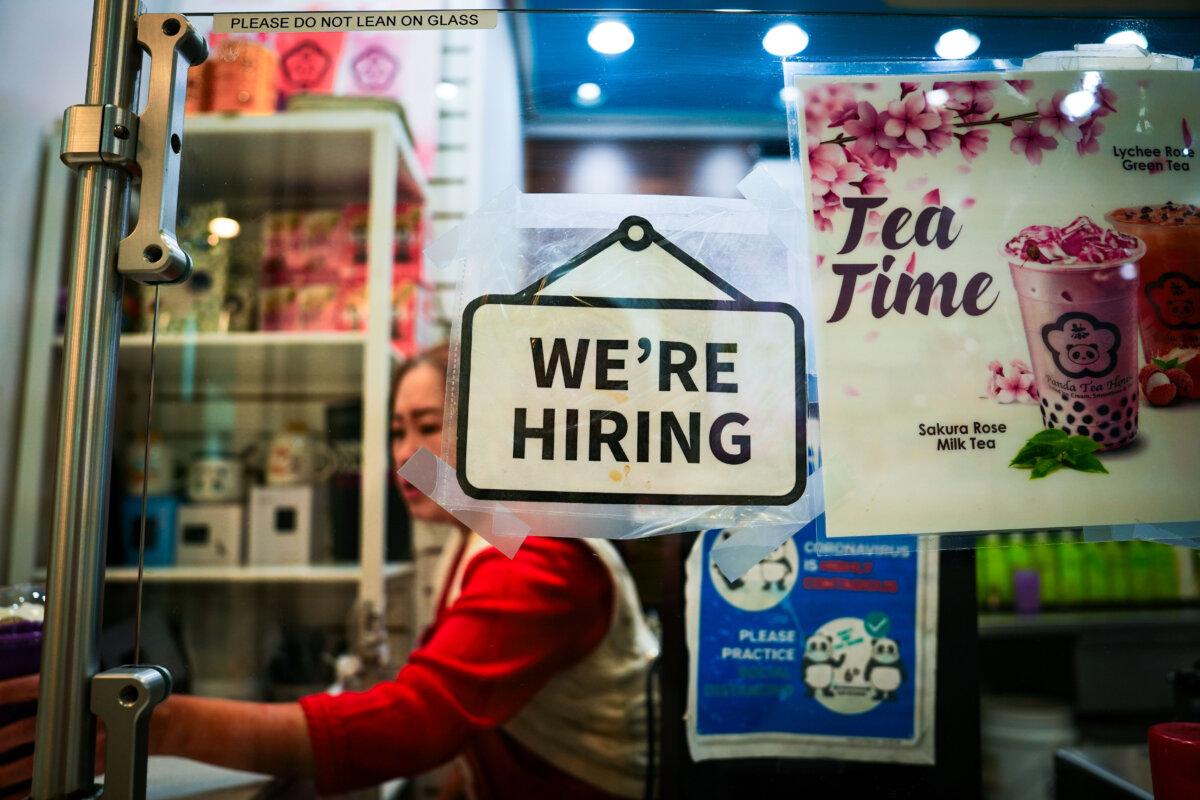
16 774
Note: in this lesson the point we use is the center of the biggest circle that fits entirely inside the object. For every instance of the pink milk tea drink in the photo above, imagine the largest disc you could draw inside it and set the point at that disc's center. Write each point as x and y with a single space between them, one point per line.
1077 287
1169 296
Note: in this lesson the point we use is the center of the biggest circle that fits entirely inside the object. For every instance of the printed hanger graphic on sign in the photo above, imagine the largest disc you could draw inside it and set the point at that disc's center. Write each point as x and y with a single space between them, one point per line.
632 374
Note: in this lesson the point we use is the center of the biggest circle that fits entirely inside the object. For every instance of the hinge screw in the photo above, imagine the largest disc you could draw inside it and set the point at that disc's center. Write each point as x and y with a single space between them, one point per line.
121 132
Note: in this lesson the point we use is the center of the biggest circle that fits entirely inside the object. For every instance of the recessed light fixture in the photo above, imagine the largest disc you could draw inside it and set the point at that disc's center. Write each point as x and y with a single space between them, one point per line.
224 227
785 40
1127 38
588 94
446 90
610 38
956 44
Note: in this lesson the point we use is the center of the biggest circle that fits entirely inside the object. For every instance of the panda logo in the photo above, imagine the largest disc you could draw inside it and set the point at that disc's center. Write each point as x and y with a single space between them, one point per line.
1081 345
1083 354
1175 298
765 584
819 664
885 670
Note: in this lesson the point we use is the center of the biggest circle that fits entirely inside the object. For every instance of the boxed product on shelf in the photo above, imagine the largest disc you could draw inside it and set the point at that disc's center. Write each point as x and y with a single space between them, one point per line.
241 75
307 63
197 304
314 270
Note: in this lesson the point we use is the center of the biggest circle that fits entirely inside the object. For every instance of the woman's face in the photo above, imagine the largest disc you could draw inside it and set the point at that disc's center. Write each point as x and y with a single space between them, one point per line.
417 423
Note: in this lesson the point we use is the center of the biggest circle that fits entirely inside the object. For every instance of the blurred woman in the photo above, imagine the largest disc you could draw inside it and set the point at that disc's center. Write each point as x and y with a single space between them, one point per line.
532 678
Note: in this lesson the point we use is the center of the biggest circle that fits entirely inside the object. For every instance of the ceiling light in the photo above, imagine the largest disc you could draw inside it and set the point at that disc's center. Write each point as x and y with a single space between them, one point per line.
588 94
785 40
956 44
1127 38
224 227
446 90
610 38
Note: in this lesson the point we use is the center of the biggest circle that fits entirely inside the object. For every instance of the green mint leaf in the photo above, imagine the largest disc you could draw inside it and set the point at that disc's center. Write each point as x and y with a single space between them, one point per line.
1044 467
1088 463
1164 365
1028 455
1048 436
1081 444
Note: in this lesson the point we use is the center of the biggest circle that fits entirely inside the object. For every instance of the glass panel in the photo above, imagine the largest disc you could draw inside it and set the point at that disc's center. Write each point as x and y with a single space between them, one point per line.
284 556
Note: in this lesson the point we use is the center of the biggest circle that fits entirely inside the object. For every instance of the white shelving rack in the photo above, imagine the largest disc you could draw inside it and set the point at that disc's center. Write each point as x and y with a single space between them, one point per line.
254 163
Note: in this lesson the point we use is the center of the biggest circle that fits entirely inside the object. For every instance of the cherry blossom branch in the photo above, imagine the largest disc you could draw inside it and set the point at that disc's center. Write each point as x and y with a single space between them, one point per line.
997 120
842 138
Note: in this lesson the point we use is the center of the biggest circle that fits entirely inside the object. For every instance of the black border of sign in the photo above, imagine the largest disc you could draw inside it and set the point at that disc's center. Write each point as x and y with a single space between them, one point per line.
529 297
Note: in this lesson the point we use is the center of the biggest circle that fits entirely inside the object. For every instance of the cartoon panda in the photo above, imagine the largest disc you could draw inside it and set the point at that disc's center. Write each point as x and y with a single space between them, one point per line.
819 664
775 569
885 670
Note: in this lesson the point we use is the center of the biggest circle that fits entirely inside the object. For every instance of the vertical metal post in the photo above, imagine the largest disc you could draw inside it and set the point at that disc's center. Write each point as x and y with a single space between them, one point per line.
65 727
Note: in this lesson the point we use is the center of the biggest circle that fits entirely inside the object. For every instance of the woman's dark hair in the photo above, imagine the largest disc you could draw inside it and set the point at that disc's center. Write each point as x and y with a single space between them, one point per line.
437 356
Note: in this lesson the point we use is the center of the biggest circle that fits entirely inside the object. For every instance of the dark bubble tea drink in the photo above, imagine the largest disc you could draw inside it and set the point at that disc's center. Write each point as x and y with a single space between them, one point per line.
1169 294
1077 289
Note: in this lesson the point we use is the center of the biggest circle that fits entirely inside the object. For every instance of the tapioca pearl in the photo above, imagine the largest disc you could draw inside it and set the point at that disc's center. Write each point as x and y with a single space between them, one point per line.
1087 419
1065 429
1078 406
1045 401
1098 436
1071 418
1064 397
1124 402
1053 418
1103 424
1116 415
1058 406
1103 409
1082 430
1128 425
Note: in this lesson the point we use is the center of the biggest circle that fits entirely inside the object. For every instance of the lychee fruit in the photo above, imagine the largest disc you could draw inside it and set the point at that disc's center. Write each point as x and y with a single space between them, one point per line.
1192 368
1160 391
1145 372
1184 384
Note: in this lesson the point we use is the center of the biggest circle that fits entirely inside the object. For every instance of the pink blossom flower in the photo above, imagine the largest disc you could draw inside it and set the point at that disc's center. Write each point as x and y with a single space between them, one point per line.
1107 99
825 206
1186 131
971 99
1017 387
1053 120
839 116
1089 137
1020 365
867 125
1030 142
941 136
907 88
831 170
932 198
821 101
872 184
1021 86
910 120
973 143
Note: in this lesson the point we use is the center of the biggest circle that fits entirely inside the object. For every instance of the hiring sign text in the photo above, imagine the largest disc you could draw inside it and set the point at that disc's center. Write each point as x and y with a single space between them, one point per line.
697 399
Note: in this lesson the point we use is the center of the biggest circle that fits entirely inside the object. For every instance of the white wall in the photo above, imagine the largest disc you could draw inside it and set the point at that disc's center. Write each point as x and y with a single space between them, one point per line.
43 68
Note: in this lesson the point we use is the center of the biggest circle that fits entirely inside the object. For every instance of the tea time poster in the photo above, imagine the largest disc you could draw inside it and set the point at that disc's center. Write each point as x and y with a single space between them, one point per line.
1007 280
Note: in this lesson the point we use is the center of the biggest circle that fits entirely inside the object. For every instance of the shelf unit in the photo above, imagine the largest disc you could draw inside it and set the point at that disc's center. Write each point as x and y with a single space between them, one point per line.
299 573
253 163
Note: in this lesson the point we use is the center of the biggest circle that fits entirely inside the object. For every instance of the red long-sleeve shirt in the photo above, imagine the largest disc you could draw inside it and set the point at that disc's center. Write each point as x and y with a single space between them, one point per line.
515 625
